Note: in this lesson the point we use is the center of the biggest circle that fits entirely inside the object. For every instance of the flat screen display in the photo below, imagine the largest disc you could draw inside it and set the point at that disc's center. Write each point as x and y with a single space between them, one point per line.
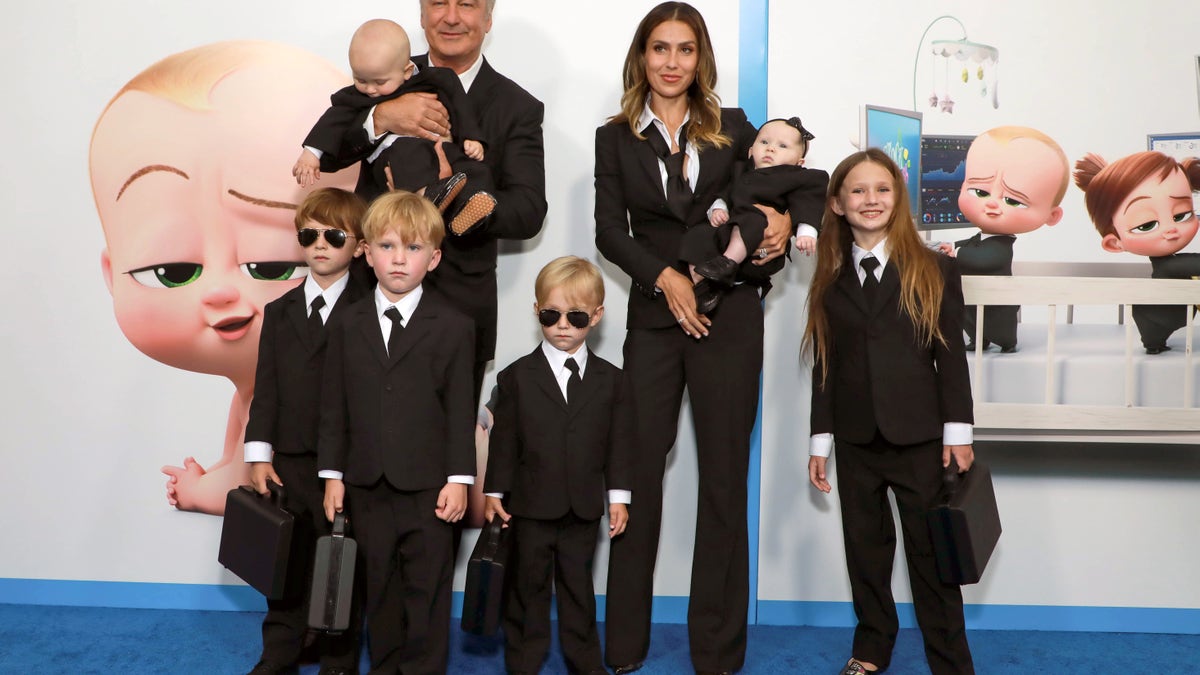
943 169
897 133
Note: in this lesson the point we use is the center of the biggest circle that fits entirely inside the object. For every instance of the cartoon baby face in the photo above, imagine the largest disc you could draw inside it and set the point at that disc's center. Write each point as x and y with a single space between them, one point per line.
1156 219
197 209
1011 187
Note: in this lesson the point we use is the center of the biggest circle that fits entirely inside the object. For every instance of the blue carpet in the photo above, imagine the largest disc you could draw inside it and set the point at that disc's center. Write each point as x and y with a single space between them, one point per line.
54 639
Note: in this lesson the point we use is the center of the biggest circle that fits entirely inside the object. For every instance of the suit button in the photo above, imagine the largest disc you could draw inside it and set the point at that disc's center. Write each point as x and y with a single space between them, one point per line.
388 388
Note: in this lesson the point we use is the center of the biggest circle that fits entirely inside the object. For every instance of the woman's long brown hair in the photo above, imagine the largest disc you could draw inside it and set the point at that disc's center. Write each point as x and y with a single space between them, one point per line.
921 283
704 106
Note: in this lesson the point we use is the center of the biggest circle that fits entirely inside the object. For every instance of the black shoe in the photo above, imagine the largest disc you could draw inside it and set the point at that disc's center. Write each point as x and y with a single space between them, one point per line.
1011 349
443 192
720 269
265 667
853 667
1157 350
708 295
473 214
630 668
336 670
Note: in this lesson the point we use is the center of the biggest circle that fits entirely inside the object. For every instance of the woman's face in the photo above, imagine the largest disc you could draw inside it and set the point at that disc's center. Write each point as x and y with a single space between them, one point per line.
672 55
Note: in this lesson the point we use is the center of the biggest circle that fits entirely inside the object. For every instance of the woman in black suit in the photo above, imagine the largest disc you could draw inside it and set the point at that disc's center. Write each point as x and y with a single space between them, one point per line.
890 384
660 163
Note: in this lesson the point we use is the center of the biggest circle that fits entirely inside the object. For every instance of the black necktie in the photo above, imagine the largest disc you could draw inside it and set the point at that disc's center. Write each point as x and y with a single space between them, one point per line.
870 283
314 316
574 382
397 328
679 193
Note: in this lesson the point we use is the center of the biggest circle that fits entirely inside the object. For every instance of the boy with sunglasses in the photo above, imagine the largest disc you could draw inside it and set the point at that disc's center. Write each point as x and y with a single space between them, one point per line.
281 435
563 433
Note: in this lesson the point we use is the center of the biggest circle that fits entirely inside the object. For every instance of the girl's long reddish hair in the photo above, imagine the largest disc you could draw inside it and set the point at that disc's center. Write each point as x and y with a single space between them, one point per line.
921 283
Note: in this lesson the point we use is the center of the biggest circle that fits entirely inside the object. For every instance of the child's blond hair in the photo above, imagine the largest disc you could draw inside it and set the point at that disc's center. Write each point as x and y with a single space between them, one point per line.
579 279
409 215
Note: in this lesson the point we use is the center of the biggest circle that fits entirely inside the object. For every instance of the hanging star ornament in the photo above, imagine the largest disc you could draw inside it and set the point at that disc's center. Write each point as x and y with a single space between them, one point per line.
947 105
933 100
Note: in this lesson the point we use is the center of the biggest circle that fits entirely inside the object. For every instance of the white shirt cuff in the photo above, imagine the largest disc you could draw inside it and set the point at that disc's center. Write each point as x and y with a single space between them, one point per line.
957 433
620 497
369 127
820 445
465 480
257 451
806 230
330 473
497 495
316 151
717 204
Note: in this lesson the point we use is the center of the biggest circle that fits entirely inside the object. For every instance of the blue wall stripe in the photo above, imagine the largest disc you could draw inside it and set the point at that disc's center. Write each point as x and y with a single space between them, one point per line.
752 98
666 609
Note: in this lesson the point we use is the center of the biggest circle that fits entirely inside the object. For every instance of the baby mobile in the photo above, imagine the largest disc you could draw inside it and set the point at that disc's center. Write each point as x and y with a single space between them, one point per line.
973 64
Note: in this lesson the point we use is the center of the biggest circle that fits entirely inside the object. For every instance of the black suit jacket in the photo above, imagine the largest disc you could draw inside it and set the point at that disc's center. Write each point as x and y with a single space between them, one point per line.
986 257
511 121
288 377
552 456
408 416
634 226
879 376
348 106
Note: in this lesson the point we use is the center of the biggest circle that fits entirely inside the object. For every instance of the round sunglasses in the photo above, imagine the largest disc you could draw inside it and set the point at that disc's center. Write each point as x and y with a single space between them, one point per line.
336 238
576 317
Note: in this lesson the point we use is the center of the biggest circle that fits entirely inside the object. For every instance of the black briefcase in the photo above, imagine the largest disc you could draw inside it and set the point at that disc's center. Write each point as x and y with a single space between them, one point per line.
256 538
484 591
965 525
333 579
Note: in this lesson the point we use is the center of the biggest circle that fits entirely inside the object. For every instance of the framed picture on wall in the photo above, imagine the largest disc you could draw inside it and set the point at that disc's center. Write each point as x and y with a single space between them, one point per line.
1179 146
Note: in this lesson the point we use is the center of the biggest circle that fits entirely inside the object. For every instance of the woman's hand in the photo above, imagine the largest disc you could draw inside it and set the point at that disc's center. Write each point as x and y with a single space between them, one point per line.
681 300
775 237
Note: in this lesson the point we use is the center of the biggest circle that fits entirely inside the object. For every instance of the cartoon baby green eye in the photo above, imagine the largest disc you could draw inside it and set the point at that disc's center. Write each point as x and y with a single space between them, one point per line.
167 275
981 194
275 270
1184 216
1009 201
1145 227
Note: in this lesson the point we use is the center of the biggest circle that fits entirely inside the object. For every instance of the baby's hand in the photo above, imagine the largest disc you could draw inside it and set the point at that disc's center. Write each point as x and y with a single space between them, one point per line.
181 484
473 149
947 248
307 169
718 217
806 244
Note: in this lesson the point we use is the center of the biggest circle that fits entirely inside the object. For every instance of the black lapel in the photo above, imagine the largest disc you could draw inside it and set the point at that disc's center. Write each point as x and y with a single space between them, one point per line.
889 285
593 378
297 314
368 328
415 328
849 284
540 371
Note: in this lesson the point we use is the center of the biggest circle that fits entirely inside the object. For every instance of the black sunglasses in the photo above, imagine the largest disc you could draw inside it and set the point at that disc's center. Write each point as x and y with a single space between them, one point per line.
308 236
575 317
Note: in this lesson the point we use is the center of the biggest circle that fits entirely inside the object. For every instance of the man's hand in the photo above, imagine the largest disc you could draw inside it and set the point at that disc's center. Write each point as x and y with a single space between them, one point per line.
260 473
452 502
418 114
775 237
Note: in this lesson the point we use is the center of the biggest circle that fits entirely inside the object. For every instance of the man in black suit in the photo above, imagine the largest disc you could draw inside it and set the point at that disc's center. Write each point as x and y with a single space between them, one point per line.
281 434
510 120
563 433
396 442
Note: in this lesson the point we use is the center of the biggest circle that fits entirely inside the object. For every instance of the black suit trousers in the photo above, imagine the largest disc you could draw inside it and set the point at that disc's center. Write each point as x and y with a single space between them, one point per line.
914 474
286 624
559 552
409 572
721 373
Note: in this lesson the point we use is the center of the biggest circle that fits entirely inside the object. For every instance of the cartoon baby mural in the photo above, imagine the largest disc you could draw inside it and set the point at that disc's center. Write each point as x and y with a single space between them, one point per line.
1015 180
189 173
1143 204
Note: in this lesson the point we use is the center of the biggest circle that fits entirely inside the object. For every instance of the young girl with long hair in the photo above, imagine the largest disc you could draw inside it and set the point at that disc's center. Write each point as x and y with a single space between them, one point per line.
890 385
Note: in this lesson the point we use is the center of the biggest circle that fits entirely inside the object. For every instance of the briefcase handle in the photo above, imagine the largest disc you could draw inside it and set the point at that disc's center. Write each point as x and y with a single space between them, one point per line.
951 480
494 531
339 524
274 492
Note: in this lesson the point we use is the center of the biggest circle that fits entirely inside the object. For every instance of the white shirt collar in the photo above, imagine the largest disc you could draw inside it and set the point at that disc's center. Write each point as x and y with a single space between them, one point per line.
467 77
312 290
558 359
880 251
406 306
648 116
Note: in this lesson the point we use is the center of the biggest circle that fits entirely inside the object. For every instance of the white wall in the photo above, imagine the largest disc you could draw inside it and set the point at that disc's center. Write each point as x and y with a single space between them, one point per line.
1083 526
